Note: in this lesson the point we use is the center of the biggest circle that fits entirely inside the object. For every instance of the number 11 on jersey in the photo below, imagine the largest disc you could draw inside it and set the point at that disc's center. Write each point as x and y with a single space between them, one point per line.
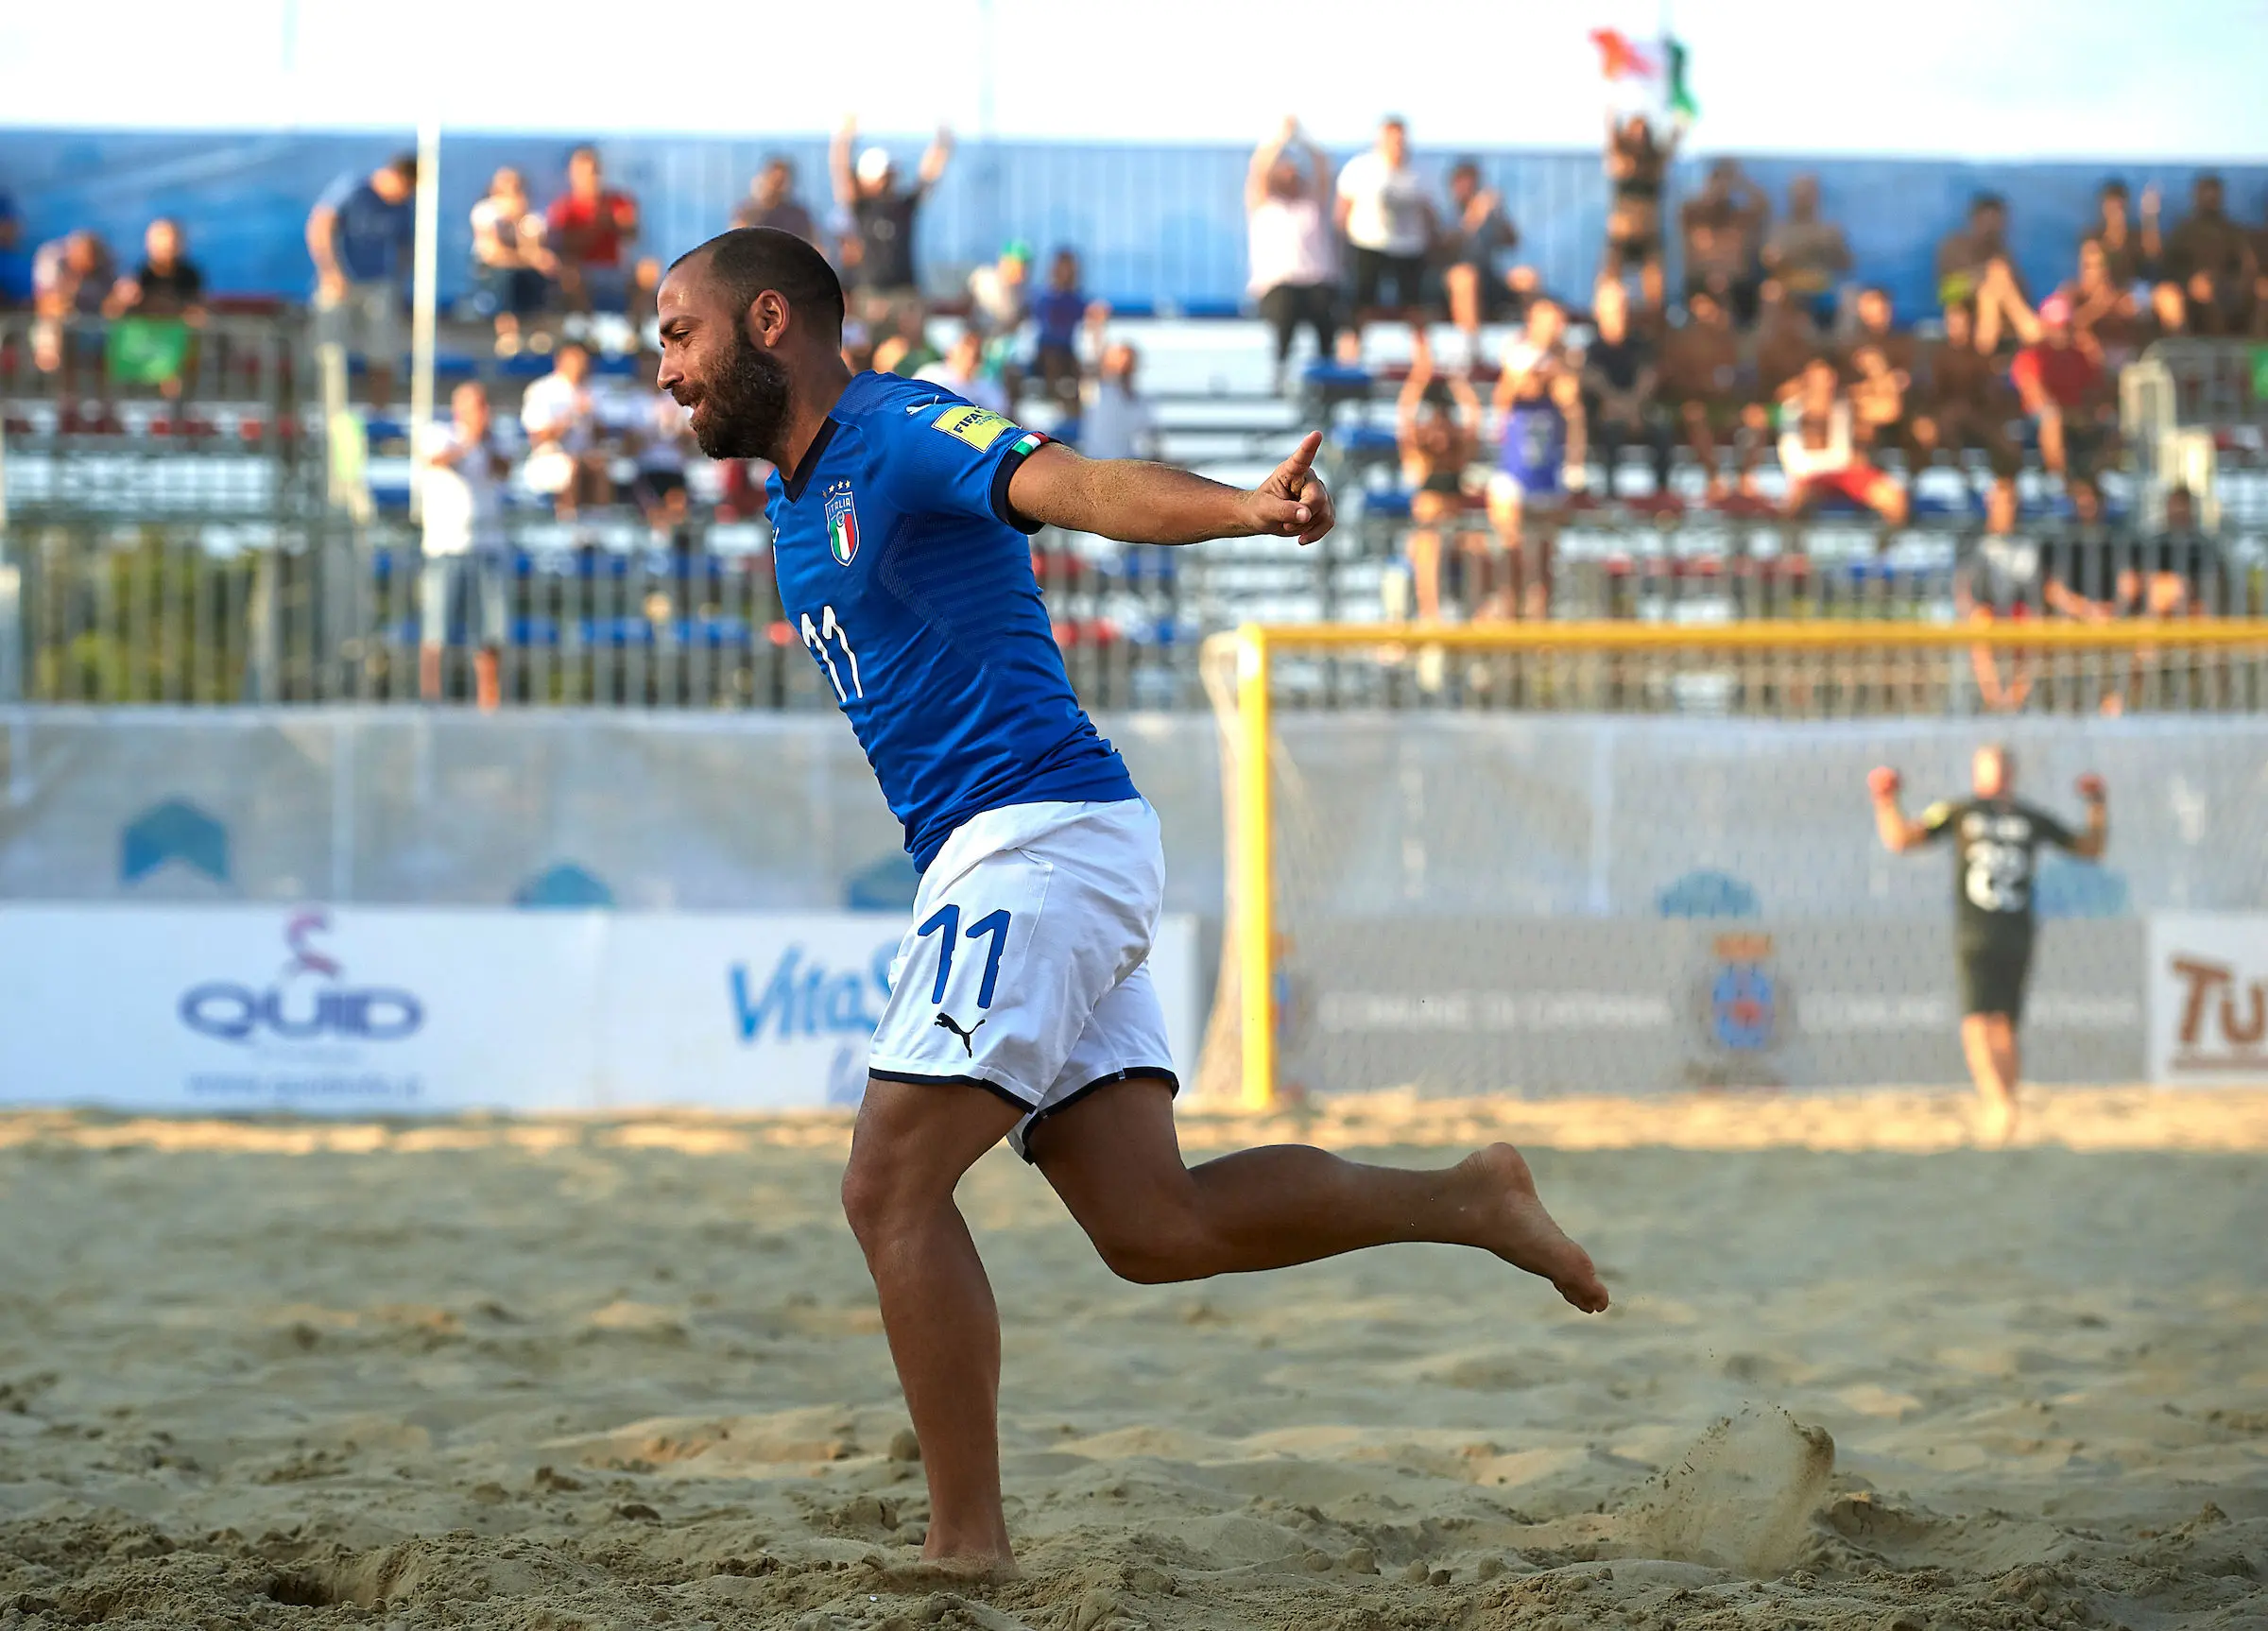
817 636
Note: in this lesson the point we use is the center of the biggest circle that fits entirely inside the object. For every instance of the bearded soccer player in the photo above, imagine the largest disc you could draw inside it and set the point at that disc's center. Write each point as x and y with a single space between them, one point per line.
1997 840
1020 1005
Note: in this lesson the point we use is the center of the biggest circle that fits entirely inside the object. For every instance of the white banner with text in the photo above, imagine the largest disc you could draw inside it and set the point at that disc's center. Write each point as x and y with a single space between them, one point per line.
424 1010
2209 997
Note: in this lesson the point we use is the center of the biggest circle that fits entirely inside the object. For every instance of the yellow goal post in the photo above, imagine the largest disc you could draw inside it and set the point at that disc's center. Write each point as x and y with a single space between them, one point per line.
1897 677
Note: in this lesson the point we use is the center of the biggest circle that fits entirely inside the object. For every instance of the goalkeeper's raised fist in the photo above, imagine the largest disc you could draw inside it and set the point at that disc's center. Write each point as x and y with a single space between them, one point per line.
2091 787
1883 782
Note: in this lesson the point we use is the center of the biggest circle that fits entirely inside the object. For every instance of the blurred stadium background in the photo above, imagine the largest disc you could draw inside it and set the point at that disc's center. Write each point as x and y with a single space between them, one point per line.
301 697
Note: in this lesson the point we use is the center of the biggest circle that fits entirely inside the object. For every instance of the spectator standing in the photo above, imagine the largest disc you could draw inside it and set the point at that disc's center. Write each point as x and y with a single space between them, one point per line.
961 370
878 257
1059 310
2211 258
2176 572
1115 421
15 265
2131 256
1999 579
1623 379
1706 382
1783 343
590 229
167 283
1477 233
1540 399
1387 220
1974 270
1637 170
2061 382
360 235
772 202
1809 255
907 349
561 416
2104 308
511 264
1293 256
1722 232
1818 452
660 443
462 583
1436 430
1000 291
155 311
1963 402
71 277
2085 557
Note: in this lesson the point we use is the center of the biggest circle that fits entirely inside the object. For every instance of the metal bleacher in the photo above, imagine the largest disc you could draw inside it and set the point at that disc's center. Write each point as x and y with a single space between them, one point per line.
196 549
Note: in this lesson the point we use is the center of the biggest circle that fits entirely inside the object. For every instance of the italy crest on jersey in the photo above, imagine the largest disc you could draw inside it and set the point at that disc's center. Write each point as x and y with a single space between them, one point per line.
842 526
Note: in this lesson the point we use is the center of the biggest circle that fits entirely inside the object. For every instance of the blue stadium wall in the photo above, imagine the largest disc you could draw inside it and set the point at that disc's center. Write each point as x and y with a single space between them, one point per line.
1157 224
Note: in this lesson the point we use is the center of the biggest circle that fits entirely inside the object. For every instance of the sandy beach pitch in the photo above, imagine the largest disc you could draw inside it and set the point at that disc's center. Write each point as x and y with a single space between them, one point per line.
568 1375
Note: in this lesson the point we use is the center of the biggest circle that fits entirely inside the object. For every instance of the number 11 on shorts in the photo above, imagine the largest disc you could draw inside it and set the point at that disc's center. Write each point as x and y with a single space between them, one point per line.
946 925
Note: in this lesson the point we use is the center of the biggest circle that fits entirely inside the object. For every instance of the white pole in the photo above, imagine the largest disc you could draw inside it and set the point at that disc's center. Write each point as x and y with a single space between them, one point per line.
424 263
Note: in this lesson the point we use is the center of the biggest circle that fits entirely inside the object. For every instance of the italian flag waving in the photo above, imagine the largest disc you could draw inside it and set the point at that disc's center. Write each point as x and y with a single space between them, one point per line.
1657 66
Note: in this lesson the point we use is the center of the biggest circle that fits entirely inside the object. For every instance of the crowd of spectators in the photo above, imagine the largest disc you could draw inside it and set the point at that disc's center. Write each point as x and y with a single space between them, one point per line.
1772 350
1768 363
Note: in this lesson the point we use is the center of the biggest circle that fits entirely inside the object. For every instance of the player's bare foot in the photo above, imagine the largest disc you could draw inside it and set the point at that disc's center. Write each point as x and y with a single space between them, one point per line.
961 1568
1996 1121
1518 1230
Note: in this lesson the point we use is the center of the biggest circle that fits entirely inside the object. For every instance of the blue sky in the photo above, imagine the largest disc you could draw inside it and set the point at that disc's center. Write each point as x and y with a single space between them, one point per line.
1984 79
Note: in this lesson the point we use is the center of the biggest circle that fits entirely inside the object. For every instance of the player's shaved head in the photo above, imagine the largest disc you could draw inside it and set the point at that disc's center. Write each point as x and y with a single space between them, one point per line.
1992 770
748 261
743 319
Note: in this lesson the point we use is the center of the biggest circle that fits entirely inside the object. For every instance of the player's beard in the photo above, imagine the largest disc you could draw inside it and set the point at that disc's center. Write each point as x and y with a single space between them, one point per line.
742 412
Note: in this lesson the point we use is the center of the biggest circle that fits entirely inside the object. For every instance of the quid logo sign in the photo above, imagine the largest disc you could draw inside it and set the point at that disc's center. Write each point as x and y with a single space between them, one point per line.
309 1001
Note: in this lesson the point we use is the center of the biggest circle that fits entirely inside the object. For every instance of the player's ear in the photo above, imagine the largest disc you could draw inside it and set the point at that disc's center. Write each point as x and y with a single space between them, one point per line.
767 319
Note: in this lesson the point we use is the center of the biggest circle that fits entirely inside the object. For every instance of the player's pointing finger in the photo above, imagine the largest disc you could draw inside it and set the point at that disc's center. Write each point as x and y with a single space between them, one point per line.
1292 473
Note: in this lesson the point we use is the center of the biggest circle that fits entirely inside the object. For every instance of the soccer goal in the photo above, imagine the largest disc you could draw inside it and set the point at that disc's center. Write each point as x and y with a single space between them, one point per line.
1549 858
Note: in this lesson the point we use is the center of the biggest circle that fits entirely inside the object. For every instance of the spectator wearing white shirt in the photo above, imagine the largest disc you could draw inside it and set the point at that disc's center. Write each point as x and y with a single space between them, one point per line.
1115 421
1293 255
511 266
1387 216
462 582
1815 450
961 370
660 437
561 416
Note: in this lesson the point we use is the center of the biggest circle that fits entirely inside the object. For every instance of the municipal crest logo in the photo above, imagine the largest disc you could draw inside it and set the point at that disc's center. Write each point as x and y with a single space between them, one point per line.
1744 1010
842 526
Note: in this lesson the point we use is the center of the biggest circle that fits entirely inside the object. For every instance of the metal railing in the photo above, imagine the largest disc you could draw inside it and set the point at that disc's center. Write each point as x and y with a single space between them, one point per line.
183 546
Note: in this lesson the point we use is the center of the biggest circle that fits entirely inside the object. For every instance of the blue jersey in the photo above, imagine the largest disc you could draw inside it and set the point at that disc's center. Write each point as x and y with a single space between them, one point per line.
910 580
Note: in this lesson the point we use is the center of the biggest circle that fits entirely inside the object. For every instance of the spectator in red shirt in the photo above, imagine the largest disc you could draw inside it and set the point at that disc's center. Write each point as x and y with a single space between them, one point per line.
589 228
2060 379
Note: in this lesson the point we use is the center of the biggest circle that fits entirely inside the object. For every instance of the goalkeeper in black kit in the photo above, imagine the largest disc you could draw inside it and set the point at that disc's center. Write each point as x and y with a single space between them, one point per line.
1996 841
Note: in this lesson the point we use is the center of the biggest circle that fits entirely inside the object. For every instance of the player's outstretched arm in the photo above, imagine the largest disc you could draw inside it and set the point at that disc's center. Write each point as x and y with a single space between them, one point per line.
1140 503
1898 833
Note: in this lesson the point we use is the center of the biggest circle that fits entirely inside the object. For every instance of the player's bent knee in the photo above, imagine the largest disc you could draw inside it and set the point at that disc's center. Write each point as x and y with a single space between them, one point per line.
1156 1249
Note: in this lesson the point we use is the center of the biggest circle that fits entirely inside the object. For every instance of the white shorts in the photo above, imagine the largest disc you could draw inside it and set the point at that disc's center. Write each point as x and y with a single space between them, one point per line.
1024 971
